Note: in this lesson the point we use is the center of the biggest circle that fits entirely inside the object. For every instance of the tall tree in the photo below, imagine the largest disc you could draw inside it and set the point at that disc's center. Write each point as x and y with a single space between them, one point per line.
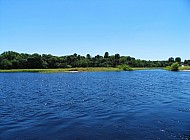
171 59
117 57
178 59
9 55
88 56
106 55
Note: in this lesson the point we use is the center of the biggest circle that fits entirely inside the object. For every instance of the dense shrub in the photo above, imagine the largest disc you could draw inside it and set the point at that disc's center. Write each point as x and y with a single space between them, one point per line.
175 67
125 67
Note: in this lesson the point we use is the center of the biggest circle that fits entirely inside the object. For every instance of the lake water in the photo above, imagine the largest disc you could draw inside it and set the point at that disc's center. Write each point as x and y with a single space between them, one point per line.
137 105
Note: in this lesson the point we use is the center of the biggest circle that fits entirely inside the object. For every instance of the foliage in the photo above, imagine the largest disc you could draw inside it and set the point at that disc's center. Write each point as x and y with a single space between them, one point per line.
175 67
5 64
171 60
125 67
168 68
178 59
14 60
187 62
89 69
106 55
184 68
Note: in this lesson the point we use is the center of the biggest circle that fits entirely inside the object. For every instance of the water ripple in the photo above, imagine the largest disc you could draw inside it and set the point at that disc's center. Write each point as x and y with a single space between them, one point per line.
134 105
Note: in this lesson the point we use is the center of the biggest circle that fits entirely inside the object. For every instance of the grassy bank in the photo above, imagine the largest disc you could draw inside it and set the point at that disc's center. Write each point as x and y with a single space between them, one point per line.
184 68
145 68
89 69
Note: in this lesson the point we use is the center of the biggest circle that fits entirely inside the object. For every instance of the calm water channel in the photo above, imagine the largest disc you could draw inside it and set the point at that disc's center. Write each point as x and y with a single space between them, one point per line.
137 105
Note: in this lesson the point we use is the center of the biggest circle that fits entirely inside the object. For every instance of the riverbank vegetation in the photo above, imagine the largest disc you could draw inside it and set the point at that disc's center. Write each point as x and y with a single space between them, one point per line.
177 67
15 60
63 70
185 68
125 67
174 67
72 70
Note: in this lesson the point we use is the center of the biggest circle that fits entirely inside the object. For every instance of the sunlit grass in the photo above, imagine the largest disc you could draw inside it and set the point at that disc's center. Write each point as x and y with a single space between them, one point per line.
64 70
144 68
89 69
184 68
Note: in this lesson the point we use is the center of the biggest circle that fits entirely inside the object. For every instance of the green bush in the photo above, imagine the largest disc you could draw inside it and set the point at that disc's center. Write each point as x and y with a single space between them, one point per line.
184 68
125 68
168 68
175 67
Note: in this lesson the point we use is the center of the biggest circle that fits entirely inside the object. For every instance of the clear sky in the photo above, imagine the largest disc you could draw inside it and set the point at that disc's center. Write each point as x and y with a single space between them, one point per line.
145 29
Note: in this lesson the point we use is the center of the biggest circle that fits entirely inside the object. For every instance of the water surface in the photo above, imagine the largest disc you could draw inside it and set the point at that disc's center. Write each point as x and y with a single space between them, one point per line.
146 104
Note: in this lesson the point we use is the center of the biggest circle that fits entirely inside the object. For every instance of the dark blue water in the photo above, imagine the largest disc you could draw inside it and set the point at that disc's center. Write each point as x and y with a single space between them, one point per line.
152 104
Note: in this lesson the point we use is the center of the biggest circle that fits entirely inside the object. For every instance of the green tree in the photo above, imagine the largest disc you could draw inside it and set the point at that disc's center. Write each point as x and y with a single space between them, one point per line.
15 64
6 64
117 57
171 59
34 61
106 55
88 56
187 62
9 55
178 59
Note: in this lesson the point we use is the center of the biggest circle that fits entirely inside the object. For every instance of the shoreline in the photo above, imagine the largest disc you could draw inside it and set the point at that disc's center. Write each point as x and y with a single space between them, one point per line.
71 70
185 70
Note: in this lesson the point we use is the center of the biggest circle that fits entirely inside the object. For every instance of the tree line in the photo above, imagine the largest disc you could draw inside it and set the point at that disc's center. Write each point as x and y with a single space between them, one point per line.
15 60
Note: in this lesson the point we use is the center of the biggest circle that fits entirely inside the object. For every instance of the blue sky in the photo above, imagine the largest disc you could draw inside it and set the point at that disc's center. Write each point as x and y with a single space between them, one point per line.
145 29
